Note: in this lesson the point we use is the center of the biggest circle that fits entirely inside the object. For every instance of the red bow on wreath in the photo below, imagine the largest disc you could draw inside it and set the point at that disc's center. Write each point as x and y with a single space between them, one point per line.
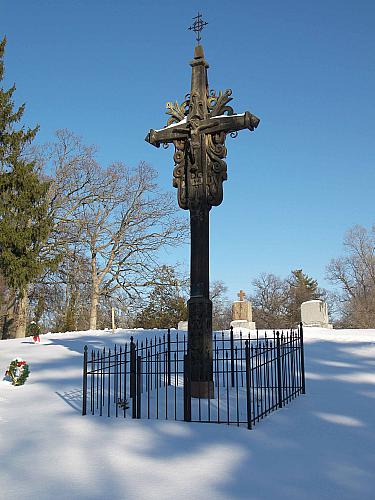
21 363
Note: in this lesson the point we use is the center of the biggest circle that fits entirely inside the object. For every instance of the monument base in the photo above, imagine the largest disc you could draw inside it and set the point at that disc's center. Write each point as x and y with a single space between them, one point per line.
204 390
329 326
243 323
182 325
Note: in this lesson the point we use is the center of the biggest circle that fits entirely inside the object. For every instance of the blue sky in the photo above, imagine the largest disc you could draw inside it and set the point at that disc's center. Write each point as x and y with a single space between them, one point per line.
106 69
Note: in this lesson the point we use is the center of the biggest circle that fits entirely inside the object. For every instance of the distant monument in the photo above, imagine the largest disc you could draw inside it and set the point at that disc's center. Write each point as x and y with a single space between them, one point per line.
315 313
182 325
242 313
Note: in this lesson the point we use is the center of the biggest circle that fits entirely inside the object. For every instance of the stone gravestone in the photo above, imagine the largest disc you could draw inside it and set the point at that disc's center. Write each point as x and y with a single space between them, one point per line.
242 314
182 325
315 313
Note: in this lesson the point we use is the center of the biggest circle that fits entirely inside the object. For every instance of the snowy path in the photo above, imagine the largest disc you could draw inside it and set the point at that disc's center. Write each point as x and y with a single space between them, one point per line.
321 446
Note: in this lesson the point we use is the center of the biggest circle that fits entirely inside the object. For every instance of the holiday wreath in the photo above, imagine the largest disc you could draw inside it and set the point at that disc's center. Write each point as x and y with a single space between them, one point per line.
18 371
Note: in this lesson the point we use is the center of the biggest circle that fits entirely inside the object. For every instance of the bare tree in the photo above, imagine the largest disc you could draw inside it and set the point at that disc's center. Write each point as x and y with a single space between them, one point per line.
123 230
114 219
72 170
61 298
116 215
221 307
270 301
355 273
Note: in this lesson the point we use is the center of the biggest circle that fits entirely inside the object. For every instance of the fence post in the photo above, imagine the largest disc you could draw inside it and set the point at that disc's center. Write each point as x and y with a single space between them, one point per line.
132 367
248 384
84 400
169 357
231 356
187 388
132 377
278 363
139 385
302 359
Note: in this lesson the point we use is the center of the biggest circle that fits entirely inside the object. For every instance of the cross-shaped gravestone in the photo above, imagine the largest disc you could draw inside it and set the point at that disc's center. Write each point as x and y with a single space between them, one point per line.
241 295
198 129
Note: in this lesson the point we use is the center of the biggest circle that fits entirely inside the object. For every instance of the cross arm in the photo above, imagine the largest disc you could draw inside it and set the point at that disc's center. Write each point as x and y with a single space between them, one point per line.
176 131
230 123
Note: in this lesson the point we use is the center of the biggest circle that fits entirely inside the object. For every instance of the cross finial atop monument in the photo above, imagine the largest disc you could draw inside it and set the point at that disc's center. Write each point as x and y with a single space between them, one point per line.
198 26
241 294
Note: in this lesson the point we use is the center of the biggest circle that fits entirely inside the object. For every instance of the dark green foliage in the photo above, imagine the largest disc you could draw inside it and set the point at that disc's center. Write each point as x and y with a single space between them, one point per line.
12 142
301 289
165 306
11 372
24 221
277 302
33 329
164 313
301 283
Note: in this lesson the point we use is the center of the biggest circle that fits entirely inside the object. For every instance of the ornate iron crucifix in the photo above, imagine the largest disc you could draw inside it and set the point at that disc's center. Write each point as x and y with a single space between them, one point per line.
198 129
198 26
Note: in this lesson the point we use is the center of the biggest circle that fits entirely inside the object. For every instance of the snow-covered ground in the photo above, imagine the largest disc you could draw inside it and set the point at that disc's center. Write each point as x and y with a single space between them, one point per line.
320 446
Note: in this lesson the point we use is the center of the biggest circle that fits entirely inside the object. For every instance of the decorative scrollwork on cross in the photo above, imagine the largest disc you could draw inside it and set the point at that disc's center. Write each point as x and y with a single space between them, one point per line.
217 104
177 111
216 167
179 178
198 128
195 109
193 112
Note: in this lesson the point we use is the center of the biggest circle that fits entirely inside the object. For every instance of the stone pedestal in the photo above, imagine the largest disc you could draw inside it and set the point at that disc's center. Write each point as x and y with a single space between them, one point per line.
315 313
200 345
242 315
182 325
243 323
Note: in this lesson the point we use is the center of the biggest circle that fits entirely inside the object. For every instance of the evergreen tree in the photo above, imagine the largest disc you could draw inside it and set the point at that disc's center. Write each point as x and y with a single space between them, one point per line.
166 307
301 289
24 221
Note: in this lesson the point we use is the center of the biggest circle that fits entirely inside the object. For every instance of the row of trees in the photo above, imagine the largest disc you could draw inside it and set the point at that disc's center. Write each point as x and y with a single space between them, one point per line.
79 239
277 302
76 238
354 273
166 303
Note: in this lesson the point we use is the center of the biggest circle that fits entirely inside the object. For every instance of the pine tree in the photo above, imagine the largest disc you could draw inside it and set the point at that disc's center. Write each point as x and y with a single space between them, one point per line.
301 289
24 221
165 306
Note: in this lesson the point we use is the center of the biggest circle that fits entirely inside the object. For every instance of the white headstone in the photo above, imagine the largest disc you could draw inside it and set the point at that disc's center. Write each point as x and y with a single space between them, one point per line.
182 325
315 313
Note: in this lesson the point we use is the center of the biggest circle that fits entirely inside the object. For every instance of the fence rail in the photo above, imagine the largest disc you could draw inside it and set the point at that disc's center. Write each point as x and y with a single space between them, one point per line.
251 377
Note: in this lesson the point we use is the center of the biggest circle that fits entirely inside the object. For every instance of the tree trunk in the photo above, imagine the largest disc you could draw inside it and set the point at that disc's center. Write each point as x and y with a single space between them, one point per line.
94 294
71 312
94 306
3 303
21 315
8 318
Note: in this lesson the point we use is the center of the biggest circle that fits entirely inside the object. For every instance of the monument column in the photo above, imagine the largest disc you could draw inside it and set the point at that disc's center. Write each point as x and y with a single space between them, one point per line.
198 128
200 306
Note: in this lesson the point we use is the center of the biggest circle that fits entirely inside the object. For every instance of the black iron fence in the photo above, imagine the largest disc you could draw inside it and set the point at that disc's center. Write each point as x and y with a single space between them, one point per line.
251 377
